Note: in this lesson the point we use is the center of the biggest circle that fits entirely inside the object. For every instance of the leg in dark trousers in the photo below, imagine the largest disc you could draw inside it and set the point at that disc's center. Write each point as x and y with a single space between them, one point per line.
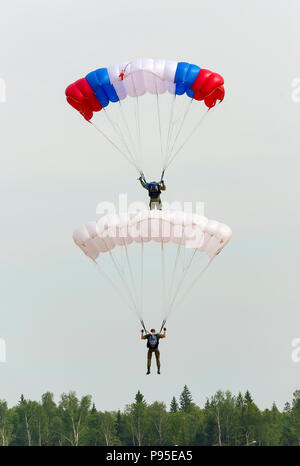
149 357
157 356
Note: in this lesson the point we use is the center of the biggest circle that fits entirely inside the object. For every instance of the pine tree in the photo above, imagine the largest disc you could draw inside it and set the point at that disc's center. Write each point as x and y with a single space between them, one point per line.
296 398
185 399
240 400
139 398
207 404
118 423
287 408
248 398
274 408
138 418
93 410
174 405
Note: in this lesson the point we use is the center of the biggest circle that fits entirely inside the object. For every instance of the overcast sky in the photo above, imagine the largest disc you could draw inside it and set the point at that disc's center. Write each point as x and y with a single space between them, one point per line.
64 328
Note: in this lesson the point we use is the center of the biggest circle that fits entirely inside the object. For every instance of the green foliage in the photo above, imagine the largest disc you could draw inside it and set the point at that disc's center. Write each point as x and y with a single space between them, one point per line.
6 425
226 419
248 398
159 425
139 398
174 407
73 414
185 400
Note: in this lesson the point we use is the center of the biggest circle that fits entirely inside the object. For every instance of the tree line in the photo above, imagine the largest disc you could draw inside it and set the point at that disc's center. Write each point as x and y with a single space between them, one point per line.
225 419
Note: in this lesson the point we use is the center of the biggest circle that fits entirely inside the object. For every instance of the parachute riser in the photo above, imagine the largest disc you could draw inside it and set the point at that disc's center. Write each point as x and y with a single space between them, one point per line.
143 325
162 325
161 328
143 177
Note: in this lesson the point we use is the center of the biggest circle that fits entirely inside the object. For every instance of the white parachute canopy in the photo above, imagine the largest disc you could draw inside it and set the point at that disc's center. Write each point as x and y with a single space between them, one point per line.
175 242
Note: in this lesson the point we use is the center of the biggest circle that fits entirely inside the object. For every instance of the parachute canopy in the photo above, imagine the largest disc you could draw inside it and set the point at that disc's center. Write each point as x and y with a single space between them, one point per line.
189 230
152 252
135 78
159 118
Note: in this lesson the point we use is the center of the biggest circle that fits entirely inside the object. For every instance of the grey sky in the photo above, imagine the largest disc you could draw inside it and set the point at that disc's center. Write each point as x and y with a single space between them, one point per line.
62 326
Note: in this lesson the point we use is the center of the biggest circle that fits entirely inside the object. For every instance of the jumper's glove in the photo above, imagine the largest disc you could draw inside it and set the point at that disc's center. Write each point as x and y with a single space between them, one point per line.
142 331
165 329
140 178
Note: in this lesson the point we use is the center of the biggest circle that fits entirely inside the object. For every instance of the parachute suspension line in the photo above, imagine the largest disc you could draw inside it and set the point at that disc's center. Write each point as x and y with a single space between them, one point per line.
123 280
163 276
119 134
170 293
181 299
164 301
187 110
138 128
170 130
131 276
127 287
183 277
115 146
172 157
142 277
134 150
198 260
181 125
184 260
117 289
159 127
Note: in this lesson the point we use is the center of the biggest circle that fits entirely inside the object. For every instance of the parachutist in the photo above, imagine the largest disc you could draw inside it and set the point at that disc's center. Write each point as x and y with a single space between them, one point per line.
97 239
154 189
152 345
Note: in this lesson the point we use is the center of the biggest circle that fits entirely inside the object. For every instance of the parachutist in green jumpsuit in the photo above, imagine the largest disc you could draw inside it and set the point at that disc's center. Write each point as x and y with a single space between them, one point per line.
152 345
154 190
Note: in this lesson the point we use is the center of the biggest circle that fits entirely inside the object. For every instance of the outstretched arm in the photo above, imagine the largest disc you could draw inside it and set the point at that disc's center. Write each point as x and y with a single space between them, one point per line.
143 183
162 185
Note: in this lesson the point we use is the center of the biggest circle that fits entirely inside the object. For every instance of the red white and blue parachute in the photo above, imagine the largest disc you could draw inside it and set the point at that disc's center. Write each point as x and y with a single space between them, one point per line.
167 123
105 85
